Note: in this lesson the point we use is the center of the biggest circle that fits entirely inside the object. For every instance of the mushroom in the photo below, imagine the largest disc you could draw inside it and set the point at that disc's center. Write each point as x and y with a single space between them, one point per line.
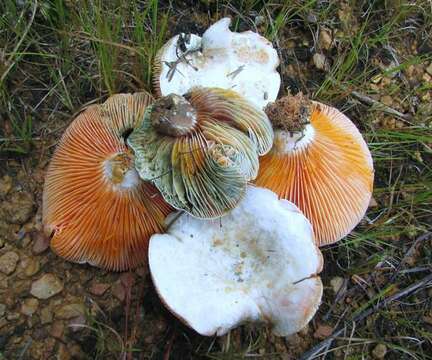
201 149
95 206
320 162
245 62
258 263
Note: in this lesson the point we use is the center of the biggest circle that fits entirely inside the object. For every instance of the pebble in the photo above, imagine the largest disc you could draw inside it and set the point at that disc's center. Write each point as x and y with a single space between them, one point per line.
8 262
31 266
118 291
78 323
323 331
320 62
12 316
19 208
325 39
46 315
387 100
127 279
2 309
40 243
379 351
429 69
29 306
70 311
336 283
63 353
5 185
57 329
99 289
45 287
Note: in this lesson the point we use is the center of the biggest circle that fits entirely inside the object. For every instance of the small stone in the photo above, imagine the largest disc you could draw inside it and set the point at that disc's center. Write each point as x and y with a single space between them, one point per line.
142 271
426 77
320 62
373 203
2 309
78 323
99 289
57 329
259 20
427 319
118 291
31 266
5 185
63 353
336 283
70 311
19 208
429 69
45 287
29 306
387 100
40 243
46 315
127 279
12 316
323 332
325 39
8 262
379 351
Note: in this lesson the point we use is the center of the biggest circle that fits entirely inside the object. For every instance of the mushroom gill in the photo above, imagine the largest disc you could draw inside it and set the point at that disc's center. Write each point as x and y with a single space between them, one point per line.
201 149
95 206
320 162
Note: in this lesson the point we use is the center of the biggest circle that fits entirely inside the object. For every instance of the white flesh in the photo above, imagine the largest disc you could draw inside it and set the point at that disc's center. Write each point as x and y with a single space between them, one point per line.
258 263
245 62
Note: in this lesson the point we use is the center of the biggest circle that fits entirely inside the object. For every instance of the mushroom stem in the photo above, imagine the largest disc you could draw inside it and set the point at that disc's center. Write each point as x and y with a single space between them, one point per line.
173 115
120 170
290 113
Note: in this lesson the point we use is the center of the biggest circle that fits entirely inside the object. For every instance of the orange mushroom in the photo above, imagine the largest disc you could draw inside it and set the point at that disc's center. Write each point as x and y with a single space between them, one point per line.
95 206
320 162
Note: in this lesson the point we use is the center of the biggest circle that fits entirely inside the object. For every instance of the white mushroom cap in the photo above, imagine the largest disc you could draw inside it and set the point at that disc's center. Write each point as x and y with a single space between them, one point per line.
245 62
258 263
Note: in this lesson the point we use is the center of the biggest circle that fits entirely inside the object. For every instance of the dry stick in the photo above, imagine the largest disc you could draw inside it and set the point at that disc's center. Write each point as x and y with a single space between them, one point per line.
312 353
420 239
387 109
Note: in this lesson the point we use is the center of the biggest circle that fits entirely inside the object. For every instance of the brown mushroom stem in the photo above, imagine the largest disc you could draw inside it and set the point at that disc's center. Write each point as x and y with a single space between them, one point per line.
290 113
173 115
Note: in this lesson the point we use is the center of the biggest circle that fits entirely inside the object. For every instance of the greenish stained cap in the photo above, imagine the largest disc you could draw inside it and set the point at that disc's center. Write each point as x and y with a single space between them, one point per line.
201 164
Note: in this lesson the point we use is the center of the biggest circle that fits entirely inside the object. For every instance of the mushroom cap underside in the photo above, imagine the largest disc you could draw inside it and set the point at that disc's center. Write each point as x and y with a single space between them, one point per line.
95 207
205 172
327 171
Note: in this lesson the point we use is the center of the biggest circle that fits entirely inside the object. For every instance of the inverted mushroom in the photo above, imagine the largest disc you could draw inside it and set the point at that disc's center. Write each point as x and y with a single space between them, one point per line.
320 162
245 62
257 263
95 206
201 149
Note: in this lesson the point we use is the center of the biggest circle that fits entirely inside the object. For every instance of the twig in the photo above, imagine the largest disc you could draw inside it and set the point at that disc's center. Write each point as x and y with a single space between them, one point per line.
314 352
384 108
420 239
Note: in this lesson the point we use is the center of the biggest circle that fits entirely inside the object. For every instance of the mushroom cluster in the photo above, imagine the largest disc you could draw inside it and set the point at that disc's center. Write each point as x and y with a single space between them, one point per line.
259 183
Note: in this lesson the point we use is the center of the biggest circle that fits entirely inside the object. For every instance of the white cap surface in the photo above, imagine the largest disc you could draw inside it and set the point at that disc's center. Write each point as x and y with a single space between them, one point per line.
245 62
258 263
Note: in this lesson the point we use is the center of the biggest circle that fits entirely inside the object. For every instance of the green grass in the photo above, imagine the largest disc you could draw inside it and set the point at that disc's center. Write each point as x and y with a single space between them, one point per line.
57 56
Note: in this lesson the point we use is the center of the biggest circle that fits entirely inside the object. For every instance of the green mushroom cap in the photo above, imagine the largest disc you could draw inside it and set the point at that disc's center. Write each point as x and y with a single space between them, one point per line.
201 149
